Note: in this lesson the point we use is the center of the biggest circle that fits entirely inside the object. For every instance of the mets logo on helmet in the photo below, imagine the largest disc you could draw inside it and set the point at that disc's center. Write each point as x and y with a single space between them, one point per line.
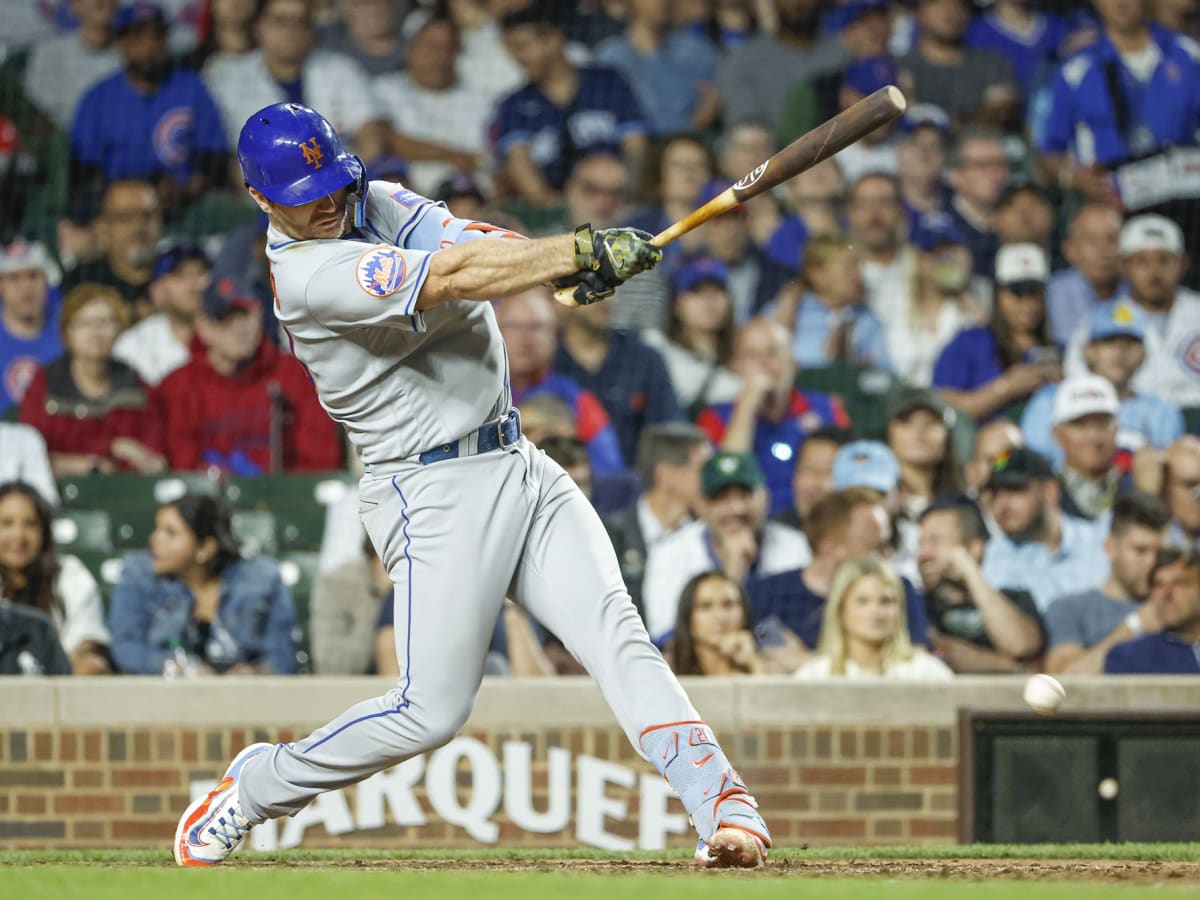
380 271
312 152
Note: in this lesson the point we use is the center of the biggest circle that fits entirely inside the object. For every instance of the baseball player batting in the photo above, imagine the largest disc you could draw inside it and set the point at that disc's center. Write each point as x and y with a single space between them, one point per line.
384 294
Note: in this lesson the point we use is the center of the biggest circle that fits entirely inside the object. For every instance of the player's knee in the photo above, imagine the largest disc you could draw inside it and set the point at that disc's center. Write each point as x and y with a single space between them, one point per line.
444 722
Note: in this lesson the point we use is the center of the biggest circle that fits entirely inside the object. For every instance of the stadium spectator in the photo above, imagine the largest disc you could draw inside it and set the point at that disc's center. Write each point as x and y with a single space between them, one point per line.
875 214
546 416
918 433
818 196
727 238
925 138
830 322
873 465
1153 263
194 606
230 33
240 403
985 370
812 478
1038 547
1094 274
94 412
670 70
669 459
1115 350
33 574
161 343
975 626
787 607
61 68
28 301
127 230
864 634
1081 628
629 377
770 418
1029 38
153 121
875 151
527 323
712 633
993 440
596 191
755 78
563 113
31 646
1085 429
243 257
345 604
978 175
930 303
23 457
970 84
484 63
1175 592
287 67
1180 483
370 33
673 179
1025 215
733 536
440 123
1130 94
741 146
697 345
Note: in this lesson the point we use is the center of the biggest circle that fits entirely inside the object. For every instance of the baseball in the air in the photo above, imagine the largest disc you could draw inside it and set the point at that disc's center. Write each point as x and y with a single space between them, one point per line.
1044 694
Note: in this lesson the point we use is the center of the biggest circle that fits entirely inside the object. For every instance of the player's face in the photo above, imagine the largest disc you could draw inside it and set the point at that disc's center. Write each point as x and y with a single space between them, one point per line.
870 611
920 438
24 293
1088 443
1116 358
93 331
324 219
1132 557
20 532
1154 276
173 546
716 611
812 478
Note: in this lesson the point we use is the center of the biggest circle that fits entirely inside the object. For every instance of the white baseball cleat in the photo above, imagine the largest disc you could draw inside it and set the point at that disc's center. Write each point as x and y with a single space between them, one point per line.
731 848
213 827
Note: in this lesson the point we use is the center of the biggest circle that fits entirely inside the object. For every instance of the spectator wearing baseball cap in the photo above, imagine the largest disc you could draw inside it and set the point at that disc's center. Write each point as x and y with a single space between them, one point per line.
728 239
239 391
1115 350
925 137
1085 428
1039 548
1025 215
732 535
1153 264
769 417
28 303
987 369
160 343
918 433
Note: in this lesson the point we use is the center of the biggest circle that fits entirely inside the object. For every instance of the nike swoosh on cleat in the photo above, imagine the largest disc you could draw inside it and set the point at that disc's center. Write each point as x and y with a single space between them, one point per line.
699 762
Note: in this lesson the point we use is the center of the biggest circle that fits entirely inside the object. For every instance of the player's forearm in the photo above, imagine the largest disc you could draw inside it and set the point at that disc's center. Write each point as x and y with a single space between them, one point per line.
487 270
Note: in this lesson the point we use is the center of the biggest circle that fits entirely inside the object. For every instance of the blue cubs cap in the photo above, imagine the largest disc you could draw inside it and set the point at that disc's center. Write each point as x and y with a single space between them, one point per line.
140 13
935 230
292 155
926 115
726 468
698 271
869 75
867 464
173 257
1118 318
226 294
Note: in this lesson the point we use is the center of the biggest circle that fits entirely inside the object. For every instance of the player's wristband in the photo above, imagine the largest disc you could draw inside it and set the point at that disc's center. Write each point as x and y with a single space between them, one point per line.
585 254
1134 623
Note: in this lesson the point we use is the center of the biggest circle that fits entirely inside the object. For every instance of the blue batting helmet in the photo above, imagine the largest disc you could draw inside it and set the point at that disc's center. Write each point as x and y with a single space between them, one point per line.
292 155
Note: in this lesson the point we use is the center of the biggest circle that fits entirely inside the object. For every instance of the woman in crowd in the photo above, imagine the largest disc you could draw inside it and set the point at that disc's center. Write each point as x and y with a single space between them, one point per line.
94 412
193 605
712 629
864 634
919 436
32 573
669 191
988 369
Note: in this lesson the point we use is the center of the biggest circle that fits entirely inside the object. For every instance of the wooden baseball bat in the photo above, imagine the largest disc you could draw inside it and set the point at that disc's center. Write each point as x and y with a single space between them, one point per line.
801 154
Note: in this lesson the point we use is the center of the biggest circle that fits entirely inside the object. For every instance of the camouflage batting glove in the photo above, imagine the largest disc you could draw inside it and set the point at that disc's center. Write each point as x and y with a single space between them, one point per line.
615 254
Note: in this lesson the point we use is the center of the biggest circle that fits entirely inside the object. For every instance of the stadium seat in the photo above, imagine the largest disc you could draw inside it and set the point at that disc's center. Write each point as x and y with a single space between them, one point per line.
298 503
131 492
83 530
299 573
863 391
255 532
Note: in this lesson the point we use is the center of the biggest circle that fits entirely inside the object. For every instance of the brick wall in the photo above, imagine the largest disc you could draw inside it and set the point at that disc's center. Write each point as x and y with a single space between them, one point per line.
93 787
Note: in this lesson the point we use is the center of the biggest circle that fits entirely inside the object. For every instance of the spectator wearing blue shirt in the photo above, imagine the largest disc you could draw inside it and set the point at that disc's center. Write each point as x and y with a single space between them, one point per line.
29 337
1133 93
987 369
152 121
770 418
671 71
830 322
1039 548
1094 275
565 112
1029 38
979 172
1115 351
926 135
753 278
1175 591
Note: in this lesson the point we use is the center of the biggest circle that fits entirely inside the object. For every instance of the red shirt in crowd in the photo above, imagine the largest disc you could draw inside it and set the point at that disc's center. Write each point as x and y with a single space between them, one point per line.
225 420
73 423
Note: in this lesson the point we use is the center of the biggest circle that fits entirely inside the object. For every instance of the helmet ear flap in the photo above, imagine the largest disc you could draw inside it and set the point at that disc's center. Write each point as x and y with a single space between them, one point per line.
359 194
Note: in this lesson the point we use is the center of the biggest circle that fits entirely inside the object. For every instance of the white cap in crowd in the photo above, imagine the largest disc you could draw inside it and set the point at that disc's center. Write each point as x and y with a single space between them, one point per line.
1020 263
21 255
1084 396
1150 232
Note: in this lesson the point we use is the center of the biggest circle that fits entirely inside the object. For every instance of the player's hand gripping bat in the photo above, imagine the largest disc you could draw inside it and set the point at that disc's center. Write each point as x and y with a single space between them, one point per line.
801 154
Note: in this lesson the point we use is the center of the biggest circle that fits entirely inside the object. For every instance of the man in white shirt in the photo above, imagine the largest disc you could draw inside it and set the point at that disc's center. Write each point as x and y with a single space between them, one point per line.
1153 264
733 536
62 67
160 343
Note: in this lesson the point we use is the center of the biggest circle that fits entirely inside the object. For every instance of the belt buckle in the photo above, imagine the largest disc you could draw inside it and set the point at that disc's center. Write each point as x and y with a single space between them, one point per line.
515 417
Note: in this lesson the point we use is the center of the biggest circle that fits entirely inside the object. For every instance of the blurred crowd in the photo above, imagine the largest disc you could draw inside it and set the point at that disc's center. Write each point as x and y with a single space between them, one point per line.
927 408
